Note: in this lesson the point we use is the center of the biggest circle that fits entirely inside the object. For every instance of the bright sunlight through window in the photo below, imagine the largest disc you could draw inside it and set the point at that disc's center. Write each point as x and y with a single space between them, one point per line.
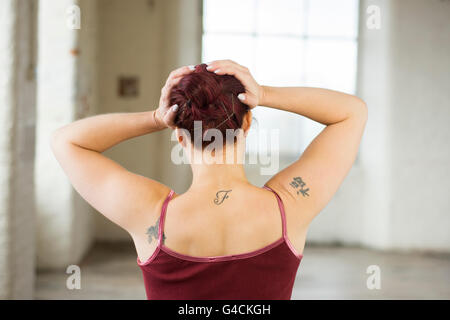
286 43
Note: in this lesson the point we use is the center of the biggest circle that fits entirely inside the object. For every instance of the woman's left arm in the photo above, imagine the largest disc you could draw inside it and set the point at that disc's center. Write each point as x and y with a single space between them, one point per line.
121 196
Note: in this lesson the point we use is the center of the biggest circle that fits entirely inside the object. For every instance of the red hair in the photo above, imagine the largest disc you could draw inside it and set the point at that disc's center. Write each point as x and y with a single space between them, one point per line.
210 98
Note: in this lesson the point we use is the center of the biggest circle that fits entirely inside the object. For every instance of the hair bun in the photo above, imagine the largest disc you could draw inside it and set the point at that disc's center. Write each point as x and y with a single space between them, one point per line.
209 98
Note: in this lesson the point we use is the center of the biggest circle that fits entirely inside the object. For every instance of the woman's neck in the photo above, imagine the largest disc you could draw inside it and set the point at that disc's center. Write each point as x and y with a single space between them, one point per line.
216 170
217 175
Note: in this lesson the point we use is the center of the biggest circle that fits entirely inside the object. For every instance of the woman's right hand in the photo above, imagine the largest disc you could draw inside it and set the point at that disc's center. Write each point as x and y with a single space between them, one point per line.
165 114
253 91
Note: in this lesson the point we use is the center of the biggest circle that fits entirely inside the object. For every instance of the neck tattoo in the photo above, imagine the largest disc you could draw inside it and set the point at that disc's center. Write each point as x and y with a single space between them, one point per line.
221 196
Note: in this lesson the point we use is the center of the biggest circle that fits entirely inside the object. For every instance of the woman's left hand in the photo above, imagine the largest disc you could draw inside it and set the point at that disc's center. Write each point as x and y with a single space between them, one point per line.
165 114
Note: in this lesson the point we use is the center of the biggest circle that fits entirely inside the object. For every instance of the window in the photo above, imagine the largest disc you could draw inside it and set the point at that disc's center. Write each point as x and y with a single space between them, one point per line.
286 43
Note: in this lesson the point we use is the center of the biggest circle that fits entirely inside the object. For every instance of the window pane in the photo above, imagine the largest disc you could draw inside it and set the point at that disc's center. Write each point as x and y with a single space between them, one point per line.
333 18
279 60
288 126
229 15
280 17
267 36
235 47
331 64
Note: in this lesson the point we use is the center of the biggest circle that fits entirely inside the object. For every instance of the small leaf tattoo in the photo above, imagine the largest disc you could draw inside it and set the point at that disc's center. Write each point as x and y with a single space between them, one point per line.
152 232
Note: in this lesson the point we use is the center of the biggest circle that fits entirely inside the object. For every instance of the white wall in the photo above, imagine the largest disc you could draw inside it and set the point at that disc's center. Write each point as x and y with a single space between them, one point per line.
17 114
420 111
66 92
395 196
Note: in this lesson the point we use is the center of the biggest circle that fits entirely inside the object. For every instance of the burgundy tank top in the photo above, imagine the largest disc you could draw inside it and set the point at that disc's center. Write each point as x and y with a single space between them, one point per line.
267 273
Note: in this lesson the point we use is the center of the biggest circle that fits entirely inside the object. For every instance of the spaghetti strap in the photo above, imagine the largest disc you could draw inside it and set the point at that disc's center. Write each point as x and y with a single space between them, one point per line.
281 206
283 218
162 217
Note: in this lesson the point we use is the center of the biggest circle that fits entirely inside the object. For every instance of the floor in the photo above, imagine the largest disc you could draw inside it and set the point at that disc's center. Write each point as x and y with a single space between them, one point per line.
110 272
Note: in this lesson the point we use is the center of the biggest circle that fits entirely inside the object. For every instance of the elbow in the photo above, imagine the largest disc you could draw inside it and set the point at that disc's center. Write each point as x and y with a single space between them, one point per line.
53 140
56 140
361 111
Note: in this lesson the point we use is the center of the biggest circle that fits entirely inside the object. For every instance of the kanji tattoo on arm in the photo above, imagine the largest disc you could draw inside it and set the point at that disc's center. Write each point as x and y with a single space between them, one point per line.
298 184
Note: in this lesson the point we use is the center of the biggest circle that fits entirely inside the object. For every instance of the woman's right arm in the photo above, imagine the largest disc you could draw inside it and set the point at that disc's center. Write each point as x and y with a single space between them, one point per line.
308 184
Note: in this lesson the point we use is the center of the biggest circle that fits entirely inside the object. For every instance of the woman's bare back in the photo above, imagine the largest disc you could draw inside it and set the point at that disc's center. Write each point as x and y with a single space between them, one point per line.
209 222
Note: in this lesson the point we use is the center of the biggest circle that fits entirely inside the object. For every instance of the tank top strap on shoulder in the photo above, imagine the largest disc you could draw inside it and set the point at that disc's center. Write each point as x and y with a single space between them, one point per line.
162 217
282 212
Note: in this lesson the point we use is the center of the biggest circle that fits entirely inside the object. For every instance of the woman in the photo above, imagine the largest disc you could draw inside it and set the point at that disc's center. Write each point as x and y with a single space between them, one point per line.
223 238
